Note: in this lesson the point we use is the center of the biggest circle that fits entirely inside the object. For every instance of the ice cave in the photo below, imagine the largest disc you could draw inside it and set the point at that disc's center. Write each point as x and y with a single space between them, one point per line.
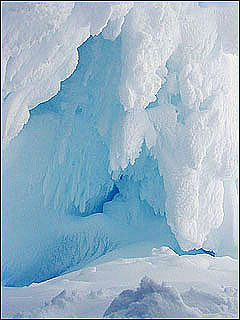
120 141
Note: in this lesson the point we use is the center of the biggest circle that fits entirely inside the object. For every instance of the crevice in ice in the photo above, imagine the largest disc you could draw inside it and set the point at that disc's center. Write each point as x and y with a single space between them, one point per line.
198 251
112 193
98 204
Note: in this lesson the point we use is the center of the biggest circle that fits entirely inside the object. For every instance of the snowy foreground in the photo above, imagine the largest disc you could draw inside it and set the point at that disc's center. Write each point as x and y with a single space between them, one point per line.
171 286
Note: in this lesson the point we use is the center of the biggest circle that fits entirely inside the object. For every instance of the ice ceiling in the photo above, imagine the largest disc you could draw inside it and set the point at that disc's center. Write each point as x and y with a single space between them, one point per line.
129 109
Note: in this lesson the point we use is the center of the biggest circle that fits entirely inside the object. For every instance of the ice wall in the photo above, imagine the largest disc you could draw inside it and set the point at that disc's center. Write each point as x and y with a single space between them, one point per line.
148 119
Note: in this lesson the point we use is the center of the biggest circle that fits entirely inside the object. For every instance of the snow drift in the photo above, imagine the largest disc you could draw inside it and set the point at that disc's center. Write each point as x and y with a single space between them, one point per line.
180 286
143 128
152 300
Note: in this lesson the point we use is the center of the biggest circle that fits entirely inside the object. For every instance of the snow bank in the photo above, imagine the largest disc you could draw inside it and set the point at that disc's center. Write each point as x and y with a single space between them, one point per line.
175 286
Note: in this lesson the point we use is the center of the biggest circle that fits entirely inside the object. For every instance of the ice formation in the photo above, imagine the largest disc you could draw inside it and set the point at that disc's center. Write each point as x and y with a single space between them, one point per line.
142 125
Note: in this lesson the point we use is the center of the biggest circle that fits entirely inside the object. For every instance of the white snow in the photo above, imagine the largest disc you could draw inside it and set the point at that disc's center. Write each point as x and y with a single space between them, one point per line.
179 286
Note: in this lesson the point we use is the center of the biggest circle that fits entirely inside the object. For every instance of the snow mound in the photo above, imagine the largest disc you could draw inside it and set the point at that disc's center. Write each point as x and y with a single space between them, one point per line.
209 303
197 285
58 307
152 300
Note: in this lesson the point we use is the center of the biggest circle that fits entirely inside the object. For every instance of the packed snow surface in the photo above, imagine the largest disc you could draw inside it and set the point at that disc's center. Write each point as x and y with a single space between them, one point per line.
120 125
170 286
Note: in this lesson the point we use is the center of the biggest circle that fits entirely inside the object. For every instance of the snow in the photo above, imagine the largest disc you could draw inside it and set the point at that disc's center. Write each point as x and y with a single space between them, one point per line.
120 134
170 286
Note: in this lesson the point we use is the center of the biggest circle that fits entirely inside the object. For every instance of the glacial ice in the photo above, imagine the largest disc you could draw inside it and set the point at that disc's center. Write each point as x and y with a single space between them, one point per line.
134 100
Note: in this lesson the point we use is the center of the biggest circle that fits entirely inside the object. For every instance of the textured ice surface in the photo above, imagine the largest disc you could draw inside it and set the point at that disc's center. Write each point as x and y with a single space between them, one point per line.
145 129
